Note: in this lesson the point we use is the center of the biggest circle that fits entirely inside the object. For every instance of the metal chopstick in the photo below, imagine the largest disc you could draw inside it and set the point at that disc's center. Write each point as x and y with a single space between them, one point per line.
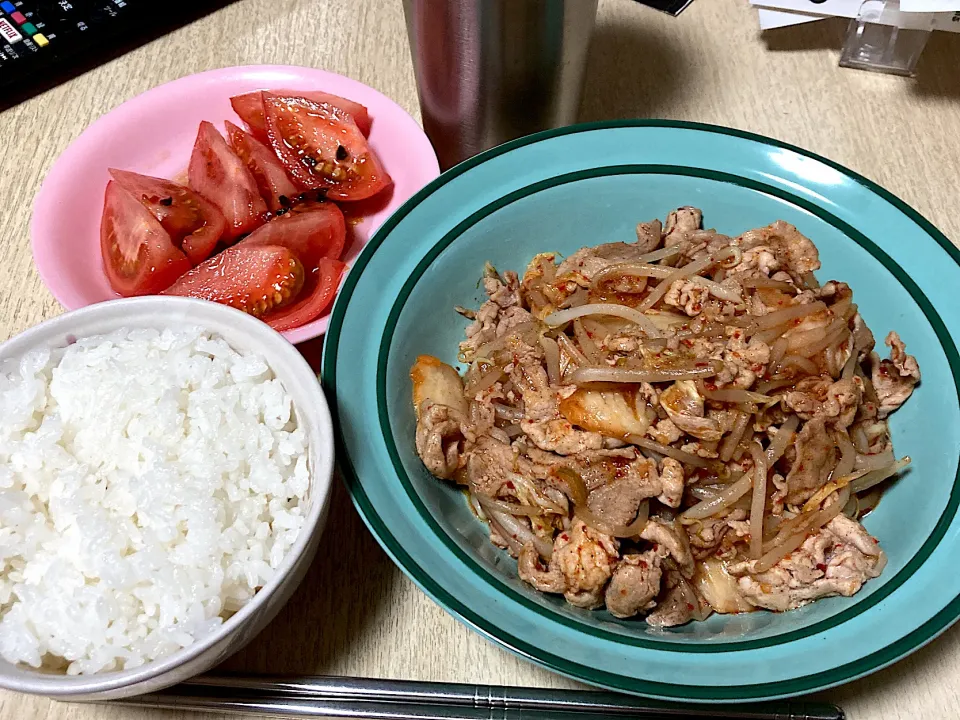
321 696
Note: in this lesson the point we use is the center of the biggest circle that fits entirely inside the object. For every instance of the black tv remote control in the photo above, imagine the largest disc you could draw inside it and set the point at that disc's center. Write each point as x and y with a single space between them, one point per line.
45 42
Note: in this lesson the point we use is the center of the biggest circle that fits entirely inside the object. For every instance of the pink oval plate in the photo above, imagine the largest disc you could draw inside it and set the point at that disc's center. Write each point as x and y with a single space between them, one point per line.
154 133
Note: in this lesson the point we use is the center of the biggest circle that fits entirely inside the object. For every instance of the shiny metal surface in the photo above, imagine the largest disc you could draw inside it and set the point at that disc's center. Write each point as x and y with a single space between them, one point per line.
489 71
320 696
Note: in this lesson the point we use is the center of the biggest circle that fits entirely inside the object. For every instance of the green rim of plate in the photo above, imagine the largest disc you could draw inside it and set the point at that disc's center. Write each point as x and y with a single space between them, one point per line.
918 637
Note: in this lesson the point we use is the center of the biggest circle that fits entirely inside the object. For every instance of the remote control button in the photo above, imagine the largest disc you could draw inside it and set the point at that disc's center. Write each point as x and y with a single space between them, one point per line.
8 32
41 40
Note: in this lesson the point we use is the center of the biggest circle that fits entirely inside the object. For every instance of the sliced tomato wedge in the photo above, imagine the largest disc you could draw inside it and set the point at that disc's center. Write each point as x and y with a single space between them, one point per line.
271 178
216 173
312 305
249 107
311 230
194 224
257 280
138 256
321 147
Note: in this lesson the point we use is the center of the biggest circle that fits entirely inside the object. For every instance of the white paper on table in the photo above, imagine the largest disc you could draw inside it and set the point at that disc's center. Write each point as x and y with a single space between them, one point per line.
946 21
838 8
772 19
929 6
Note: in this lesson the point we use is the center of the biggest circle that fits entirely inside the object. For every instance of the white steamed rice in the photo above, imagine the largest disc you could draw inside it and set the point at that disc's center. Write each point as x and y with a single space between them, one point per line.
150 483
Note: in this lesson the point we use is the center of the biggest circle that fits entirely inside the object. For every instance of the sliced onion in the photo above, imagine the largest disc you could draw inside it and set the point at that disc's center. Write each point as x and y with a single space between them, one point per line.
759 499
621 531
576 299
848 367
687 270
587 345
578 493
620 375
874 462
704 493
483 382
834 333
781 440
764 282
726 498
562 317
848 454
778 350
566 344
841 307
551 353
486 350
840 483
796 361
505 412
735 395
681 455
878 476
791 540
660 254
731 441
509 507
768 336
779 317
514 531
775 383
869 392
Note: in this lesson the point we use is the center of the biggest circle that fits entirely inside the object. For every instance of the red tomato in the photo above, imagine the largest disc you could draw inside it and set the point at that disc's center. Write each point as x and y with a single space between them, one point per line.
311 306
260 160
194 224
311 230
138 256
220 176
249 107
321 147
256 280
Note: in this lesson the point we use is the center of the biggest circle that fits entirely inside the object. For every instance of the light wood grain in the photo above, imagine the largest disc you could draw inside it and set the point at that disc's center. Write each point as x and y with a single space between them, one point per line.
356 614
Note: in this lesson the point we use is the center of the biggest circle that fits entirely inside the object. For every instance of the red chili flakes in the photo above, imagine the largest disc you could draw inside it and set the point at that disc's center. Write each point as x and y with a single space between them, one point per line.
656 546
690 606
564 537
821 567
643 564
687 343
875 541
510 485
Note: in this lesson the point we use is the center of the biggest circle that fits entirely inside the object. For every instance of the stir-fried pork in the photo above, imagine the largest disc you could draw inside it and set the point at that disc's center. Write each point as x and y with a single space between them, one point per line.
672 426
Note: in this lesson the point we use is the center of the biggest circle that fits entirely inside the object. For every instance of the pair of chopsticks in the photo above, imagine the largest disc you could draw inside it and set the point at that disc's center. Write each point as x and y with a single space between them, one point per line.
337 697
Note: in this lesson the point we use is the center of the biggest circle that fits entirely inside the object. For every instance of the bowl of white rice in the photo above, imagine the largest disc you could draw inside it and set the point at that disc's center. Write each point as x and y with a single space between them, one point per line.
165 470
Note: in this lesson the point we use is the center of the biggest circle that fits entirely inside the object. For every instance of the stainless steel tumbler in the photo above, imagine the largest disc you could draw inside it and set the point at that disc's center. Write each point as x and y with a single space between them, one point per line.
489 71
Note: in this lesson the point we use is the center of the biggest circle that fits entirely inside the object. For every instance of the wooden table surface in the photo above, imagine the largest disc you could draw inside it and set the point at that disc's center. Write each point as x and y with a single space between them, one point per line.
356 614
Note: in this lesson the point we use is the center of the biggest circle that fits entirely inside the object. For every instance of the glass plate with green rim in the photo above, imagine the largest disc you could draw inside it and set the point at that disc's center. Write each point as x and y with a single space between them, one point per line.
583 185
